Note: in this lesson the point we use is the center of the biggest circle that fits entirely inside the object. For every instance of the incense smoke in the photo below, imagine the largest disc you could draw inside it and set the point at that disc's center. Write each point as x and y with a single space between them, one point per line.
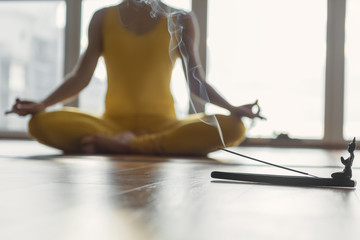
178 45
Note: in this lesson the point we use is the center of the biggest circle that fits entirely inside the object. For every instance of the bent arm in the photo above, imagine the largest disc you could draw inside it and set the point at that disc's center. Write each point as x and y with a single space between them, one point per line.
189 53
75 81
80 77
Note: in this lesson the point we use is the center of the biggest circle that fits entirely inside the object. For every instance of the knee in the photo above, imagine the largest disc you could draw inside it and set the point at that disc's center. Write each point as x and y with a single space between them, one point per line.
45 125
49 128
36 125
233 130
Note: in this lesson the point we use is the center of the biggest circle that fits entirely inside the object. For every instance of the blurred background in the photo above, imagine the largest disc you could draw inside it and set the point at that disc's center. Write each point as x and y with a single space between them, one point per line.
271 50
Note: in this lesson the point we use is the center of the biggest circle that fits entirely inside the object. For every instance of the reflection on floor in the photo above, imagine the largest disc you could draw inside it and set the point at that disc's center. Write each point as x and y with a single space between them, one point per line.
46 195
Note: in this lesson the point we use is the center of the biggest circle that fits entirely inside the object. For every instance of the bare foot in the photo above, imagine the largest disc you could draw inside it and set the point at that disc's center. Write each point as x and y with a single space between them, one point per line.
99 143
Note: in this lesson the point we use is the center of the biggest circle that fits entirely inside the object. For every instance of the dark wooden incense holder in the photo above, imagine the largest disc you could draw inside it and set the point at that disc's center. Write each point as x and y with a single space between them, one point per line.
338 179
284 180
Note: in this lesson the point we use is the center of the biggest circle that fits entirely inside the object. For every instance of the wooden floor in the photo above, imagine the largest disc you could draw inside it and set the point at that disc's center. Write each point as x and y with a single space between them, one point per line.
48 196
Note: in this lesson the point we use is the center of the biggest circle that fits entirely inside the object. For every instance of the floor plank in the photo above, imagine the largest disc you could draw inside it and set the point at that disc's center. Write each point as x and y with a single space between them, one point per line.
46 195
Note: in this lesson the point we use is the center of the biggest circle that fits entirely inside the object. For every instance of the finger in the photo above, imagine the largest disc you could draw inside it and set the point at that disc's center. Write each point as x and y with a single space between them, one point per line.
16 105
262 117
258 109
22 113
8 112
31 108
254 104
15 109
250 115
255 109
26 102
24 106
18 100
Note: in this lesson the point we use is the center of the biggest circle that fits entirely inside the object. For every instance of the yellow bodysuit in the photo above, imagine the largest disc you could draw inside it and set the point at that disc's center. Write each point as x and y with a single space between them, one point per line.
138 99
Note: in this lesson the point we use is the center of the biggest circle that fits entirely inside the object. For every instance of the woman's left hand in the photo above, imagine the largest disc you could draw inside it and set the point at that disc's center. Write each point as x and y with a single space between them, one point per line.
23 107
251 111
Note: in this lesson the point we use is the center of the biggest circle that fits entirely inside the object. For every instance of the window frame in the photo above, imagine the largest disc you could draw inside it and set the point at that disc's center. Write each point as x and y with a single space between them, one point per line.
334 73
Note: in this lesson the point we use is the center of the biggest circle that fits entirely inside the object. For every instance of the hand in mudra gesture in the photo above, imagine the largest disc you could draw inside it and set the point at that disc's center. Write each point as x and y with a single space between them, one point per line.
23 107
251 111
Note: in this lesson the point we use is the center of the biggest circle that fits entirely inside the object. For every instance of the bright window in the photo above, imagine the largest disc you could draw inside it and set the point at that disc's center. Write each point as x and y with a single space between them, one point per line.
273 51
31 53
352 70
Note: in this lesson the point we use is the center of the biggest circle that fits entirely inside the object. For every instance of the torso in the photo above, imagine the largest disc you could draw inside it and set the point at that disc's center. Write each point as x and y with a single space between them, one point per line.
138 65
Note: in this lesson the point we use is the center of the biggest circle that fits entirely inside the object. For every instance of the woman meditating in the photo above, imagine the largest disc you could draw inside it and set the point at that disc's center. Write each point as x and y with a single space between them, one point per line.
139 116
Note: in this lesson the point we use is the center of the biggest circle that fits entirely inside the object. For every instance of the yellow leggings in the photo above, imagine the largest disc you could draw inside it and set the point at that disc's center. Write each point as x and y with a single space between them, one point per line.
65 128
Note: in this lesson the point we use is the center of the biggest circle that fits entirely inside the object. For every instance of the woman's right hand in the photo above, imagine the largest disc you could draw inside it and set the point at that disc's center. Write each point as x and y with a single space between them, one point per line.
23 107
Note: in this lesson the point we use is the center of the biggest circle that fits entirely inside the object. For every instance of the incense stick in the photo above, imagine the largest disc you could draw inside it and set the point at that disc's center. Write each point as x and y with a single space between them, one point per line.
271 164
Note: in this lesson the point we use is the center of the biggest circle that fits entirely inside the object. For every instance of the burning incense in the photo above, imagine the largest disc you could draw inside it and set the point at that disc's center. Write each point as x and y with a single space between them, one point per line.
271 164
